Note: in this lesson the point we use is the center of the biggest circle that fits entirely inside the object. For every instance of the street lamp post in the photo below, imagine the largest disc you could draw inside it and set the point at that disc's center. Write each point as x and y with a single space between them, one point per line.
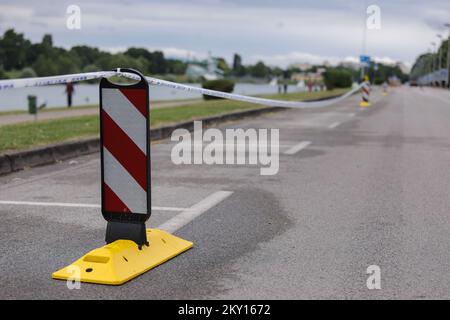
448 54
433 62
430 61
440 52
439 64
433 57
429 66
363 47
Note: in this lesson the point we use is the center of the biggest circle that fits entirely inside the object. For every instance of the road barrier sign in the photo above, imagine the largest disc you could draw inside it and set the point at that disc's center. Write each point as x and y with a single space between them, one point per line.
385 89
365 89
125 151
126 191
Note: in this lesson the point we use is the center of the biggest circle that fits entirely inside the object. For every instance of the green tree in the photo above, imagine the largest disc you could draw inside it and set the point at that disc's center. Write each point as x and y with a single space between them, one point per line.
259 70
46 47
139 52
144 55
28 73
47 41
33 53
223 65
383 72
276 71
90 68
2 73
13 48
154 61
121 60
65 64
337 78
158 64
45 66
238 68
87 55
443 53
422 66
176 66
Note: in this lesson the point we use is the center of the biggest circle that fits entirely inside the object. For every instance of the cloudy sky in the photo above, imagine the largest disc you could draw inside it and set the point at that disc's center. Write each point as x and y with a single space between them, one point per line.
278 32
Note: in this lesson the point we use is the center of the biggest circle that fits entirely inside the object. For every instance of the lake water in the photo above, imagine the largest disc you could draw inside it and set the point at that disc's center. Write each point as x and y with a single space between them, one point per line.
54 96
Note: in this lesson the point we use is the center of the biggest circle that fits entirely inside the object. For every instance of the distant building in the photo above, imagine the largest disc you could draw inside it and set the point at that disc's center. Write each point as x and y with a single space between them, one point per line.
303 66
394 81
350 65
403 67
206 71
320 71
306 77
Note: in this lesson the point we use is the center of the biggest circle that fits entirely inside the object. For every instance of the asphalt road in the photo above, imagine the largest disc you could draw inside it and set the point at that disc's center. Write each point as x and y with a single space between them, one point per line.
371 188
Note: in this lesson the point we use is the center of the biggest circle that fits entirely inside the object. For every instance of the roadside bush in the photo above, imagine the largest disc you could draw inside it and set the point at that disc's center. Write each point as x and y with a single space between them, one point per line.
28 73
379 81
218 85
91 68
3 74
337 78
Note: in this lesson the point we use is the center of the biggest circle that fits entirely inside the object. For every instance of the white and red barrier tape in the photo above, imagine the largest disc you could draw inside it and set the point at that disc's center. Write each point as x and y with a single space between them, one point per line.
52 80
44 81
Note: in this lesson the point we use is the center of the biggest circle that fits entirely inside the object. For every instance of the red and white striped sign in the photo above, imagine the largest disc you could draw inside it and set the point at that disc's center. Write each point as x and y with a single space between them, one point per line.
365 91
125 163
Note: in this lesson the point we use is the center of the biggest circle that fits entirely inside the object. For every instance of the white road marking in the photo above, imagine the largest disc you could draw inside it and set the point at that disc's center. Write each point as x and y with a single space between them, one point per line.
298 147
320 120
334 125
168 209
243 144
75 205
193 212
351 114
185 216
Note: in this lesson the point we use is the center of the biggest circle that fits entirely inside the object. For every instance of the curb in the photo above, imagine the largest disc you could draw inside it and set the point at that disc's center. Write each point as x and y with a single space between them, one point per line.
165 131
19 160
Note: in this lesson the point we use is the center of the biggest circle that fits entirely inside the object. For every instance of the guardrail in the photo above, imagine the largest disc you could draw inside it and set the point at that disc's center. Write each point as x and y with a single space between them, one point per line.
438 78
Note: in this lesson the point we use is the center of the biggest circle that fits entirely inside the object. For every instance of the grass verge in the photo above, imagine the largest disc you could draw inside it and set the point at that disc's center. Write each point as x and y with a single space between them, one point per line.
42 132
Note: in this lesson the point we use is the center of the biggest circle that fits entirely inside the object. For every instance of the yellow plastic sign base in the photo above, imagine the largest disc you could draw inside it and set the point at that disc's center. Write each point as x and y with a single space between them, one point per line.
121 260
364 104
